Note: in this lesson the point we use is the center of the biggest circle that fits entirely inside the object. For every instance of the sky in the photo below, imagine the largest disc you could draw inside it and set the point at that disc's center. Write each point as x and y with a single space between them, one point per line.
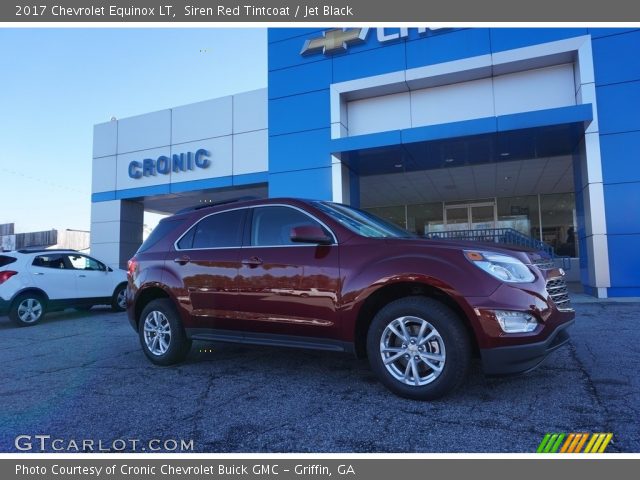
55 84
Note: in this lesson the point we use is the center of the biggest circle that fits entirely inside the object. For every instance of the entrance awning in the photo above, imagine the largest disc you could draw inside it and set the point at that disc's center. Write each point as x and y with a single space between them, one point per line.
520 136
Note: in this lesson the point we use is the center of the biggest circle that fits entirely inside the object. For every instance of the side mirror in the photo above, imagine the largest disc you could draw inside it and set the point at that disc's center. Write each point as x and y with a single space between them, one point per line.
310 234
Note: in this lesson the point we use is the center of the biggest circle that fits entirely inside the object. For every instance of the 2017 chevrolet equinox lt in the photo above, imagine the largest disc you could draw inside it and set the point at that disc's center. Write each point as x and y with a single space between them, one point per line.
323 275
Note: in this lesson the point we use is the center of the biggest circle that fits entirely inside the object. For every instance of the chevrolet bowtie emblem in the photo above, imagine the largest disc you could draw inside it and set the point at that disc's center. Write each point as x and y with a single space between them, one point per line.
334 41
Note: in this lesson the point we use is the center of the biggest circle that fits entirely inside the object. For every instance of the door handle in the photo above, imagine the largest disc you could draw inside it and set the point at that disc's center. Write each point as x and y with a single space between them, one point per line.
82 276
38 273
183 260
252 262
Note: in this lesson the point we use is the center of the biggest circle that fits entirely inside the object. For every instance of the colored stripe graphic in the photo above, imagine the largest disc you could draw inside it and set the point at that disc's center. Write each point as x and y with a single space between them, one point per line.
568 442
573 442
581 443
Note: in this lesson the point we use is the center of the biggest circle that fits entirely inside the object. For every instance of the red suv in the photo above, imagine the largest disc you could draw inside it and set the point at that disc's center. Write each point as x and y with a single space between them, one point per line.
316 274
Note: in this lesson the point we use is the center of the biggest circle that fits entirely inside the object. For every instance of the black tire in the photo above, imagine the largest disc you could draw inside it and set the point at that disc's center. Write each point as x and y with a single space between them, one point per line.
452 340
19 312
178 343
116 306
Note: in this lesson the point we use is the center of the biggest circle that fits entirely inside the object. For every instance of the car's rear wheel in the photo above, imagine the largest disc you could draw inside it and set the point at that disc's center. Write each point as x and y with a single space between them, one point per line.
119 299
27 310
418 348
162 336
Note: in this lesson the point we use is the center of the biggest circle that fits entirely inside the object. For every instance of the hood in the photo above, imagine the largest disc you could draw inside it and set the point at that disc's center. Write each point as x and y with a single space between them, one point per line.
525 254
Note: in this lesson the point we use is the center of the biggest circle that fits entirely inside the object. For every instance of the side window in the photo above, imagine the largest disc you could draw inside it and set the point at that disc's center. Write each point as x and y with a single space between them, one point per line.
80 262
49 261
271 226
216 231
187 240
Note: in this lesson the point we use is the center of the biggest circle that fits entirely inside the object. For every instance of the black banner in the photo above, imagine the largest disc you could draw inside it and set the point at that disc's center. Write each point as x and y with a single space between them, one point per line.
116 468
279 11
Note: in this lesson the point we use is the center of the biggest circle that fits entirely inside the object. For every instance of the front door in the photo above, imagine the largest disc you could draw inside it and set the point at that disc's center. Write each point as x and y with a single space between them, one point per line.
470 216
92 277
286 287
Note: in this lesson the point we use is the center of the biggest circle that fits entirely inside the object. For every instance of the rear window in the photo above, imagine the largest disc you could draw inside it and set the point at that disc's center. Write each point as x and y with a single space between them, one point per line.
161 231
220 230
6 260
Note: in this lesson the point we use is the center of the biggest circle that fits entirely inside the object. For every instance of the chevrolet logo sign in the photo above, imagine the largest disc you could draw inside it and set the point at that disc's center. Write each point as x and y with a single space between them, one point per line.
334 41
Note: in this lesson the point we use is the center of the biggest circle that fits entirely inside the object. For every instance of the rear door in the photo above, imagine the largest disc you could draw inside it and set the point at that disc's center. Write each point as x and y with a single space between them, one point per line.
285 287
52 273
207 259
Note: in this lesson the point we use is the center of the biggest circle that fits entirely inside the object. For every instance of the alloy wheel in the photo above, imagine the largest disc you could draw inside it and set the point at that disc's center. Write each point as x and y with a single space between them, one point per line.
157 333
30 310
121 299
412 351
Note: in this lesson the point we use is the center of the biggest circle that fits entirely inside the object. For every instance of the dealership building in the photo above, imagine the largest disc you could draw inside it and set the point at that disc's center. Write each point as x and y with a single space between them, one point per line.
533 131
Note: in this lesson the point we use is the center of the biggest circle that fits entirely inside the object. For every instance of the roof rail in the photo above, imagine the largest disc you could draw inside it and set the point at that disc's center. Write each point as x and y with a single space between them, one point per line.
215 204
39 250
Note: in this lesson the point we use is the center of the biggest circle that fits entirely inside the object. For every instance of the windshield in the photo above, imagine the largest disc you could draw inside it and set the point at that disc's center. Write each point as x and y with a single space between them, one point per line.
361 222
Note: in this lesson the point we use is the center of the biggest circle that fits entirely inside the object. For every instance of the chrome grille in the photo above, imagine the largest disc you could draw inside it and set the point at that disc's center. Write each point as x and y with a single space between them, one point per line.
544 263
556 287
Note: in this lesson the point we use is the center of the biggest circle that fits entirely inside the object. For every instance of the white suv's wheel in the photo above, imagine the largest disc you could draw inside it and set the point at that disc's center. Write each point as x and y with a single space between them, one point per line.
418 348
28 309
119 299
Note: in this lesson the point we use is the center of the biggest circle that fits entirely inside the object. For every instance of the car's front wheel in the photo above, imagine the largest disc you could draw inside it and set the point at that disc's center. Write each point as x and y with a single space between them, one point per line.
27 310
418 348
162 337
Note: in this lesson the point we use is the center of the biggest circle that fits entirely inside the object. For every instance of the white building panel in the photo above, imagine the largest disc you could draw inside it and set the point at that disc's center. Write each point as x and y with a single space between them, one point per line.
144 131
251 152
105 232
250 111
379 114
220 159
103 174
212 118
108 211
105 139
124 181
531 90
452 103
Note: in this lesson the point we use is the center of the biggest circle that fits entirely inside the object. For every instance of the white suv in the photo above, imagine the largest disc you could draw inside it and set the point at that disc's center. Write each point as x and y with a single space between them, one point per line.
33 282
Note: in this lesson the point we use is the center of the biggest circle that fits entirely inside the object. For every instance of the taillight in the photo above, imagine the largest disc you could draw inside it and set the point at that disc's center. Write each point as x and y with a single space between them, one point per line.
132 266
6 275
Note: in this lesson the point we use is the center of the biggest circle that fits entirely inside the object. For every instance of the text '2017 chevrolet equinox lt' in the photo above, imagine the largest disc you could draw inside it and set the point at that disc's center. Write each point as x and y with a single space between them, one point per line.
323 275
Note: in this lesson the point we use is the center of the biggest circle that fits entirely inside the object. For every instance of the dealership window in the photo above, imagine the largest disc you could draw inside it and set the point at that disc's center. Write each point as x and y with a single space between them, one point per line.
395 215
424 218
558 222
520 213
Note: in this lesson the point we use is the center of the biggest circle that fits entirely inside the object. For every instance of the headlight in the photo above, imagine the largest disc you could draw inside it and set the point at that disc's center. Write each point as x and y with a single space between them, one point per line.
503 267
515 322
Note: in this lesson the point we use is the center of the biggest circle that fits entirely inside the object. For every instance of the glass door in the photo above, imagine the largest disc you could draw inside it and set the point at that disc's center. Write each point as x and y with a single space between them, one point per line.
457 217
482 216
470 216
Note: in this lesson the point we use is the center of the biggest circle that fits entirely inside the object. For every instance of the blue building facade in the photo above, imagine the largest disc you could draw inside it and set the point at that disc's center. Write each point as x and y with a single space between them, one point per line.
367 103
441 131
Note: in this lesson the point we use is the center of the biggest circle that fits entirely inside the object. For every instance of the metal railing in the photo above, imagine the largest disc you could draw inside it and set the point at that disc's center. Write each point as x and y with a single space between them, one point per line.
507 236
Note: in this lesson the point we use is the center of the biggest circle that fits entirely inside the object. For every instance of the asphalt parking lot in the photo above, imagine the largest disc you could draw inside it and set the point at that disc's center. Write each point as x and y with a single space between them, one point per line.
83 376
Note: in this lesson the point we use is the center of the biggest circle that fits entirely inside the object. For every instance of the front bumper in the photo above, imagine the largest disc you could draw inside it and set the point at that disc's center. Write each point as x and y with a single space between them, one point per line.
515 359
